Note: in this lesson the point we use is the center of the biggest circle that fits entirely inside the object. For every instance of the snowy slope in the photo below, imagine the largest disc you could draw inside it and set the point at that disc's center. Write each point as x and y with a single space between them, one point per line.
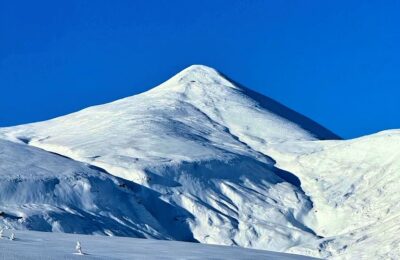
47 192
190 140
354 186
214 162
37 245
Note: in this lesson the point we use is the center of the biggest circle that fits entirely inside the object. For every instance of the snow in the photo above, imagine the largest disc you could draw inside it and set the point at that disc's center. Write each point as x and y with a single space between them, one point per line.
354 188
202 159
189 140
48 192
38 245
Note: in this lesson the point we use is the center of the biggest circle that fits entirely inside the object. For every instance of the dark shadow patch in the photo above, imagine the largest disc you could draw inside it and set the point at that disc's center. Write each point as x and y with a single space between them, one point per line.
61 155
25 140
9 216
279 109
288 177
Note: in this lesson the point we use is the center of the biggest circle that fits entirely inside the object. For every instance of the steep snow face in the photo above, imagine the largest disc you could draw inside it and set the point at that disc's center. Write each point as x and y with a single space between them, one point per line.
246 114
354 187
191 140
47 192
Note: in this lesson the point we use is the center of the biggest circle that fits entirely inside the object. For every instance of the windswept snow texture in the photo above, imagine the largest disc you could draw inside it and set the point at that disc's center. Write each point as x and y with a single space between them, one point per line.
47 192
31 245
210 161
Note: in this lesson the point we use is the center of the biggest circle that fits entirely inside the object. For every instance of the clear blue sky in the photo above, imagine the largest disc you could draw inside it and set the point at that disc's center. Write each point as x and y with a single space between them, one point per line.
337 62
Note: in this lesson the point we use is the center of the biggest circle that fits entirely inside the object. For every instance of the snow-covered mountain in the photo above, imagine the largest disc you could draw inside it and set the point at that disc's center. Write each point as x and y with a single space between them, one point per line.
208 160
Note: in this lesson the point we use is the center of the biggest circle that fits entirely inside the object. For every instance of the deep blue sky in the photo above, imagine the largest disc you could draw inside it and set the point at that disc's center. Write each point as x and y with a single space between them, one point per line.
337 62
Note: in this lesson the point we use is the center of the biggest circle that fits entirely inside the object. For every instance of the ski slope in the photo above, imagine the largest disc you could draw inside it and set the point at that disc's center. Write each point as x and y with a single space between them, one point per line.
210 161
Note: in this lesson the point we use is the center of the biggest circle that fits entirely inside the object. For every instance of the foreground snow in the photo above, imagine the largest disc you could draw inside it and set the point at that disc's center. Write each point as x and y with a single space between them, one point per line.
200 158
39 245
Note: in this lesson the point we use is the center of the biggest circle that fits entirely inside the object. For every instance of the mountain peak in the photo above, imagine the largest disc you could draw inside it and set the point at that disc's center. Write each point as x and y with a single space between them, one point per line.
198 68
222 99
200 75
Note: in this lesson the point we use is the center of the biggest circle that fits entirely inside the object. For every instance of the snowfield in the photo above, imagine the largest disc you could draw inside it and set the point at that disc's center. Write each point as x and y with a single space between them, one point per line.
33 245
202 159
